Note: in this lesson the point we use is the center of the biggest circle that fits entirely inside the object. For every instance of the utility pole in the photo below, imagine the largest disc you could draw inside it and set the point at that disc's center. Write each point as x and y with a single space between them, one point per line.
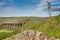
49 7
49 11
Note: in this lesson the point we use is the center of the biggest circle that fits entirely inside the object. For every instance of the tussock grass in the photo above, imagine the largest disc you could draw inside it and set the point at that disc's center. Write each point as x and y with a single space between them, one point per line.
50 26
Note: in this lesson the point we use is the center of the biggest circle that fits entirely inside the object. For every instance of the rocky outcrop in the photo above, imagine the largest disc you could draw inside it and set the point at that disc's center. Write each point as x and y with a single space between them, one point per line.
30 35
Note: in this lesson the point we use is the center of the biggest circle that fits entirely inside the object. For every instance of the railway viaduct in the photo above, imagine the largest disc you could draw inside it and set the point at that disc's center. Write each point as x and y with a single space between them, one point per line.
14 25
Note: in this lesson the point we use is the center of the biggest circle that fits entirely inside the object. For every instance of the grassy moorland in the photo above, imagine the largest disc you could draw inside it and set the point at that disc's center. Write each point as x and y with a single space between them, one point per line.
49 26
4 33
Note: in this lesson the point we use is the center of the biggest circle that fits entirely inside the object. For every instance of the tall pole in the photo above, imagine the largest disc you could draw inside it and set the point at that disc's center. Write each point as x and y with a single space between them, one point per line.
49 8
49 11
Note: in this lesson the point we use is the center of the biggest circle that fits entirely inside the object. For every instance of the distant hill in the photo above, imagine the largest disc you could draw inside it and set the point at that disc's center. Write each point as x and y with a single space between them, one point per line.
13 19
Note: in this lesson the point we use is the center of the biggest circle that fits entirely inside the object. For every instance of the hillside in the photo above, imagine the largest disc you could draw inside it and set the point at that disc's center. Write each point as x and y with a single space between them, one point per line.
50 26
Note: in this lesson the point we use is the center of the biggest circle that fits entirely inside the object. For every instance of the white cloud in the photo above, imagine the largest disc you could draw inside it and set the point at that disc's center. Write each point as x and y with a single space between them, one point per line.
40 7
56 2
38 11
53 2
43 6
7 10
54 7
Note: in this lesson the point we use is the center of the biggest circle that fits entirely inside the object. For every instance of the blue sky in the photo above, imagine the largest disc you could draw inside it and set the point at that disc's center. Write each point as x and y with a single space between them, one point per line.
37 8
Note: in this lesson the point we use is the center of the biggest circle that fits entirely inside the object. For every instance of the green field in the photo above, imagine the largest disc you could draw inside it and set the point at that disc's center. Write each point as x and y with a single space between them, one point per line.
49 26
4 33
